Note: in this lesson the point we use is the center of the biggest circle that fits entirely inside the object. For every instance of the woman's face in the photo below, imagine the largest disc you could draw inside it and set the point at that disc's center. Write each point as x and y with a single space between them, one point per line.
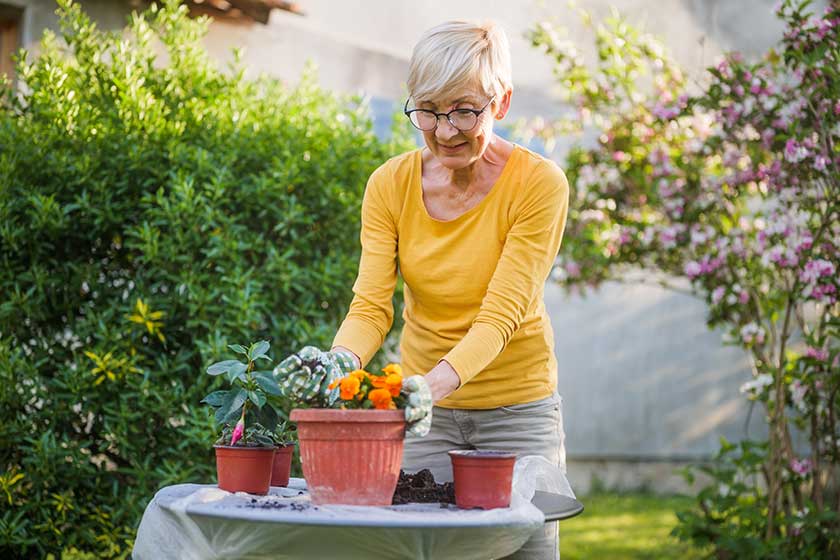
457 149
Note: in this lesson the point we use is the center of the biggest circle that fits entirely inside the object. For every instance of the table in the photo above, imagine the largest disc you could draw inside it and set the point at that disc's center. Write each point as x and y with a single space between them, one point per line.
201 521
556 507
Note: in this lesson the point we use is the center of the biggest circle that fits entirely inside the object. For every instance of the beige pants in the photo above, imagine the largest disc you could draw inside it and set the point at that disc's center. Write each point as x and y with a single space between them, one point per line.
534 428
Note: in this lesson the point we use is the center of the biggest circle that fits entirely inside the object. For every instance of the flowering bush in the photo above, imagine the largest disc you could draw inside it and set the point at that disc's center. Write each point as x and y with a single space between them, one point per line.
733 191
363 390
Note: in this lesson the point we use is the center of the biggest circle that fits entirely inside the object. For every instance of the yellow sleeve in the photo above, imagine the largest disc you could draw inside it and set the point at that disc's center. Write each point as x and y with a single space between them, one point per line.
371 312
527 258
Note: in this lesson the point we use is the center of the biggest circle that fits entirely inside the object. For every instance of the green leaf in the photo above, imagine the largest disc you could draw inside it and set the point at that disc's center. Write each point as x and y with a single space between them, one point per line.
216 398
237 371
231 408
266 381
239 349
222 367
257 398
258 349
268 417
263 440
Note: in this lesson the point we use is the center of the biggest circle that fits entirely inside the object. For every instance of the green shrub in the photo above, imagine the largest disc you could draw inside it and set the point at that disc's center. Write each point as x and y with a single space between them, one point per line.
152 210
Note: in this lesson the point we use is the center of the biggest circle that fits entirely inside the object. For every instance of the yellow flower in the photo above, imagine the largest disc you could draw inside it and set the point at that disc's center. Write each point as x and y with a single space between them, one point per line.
393 368
359 374
349 387
381 399
394 384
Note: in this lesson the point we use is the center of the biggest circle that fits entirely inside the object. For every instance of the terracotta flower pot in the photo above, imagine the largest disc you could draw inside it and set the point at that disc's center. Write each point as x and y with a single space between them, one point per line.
244 469
282 466
350 456
483 479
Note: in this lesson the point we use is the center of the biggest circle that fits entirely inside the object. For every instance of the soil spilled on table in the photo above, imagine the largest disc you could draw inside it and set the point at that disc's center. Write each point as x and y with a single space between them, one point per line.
420 487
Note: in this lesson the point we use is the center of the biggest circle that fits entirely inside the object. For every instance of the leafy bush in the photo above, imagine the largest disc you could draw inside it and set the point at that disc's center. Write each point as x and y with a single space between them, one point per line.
153 209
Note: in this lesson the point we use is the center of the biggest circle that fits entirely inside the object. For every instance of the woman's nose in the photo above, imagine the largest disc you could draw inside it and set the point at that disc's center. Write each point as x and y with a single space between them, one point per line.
445 130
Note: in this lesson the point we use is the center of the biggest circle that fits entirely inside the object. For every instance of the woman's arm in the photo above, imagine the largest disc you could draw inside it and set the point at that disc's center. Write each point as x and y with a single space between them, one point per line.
442 380
529 252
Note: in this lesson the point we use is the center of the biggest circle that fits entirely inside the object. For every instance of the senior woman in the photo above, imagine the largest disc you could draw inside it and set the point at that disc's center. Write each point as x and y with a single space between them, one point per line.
474 223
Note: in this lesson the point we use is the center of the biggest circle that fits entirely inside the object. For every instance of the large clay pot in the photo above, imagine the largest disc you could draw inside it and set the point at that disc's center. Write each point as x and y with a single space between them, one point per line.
244 469
282 466
483 479
350 456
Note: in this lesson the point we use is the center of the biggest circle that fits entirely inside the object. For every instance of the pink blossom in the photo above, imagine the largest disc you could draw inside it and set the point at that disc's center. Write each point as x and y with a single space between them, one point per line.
619 156
816 269
802 468
752 333
743 297
572 269
817 353
718 294
238 430
820 163
693 269
794 152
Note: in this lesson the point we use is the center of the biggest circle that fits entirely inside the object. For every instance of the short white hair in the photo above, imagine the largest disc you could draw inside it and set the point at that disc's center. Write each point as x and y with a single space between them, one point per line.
460 54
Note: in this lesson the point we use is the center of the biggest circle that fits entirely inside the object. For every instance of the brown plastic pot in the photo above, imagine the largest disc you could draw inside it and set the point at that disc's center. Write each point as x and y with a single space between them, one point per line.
244 469
350 456
483 479
282 466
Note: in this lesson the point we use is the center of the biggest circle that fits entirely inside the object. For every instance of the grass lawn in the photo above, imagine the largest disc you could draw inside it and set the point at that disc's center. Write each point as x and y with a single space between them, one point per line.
633 525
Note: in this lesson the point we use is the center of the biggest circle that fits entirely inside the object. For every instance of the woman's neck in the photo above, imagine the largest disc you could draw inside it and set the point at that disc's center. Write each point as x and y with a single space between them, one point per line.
487 166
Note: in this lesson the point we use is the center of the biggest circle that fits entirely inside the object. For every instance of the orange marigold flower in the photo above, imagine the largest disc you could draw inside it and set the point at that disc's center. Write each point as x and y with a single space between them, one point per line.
334 384
381 399
359 374
349 387
379 381
394 384
393 368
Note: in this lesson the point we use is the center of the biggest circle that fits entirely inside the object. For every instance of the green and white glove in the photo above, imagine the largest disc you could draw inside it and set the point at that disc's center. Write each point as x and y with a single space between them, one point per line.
305 376
418 411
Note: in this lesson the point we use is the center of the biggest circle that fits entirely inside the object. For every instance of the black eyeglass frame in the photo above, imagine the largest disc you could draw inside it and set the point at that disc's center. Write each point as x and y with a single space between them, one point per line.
476 112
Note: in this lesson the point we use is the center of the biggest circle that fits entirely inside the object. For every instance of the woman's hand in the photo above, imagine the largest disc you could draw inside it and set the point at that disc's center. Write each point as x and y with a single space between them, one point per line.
418 410
305 376
423 391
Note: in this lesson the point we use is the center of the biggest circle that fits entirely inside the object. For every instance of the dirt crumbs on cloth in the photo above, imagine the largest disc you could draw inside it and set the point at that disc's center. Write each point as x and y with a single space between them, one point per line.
420 487
279 504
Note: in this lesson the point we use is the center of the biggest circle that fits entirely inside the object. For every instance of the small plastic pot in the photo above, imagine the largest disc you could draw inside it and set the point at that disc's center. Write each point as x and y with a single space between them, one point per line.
244 469
282 466
483 479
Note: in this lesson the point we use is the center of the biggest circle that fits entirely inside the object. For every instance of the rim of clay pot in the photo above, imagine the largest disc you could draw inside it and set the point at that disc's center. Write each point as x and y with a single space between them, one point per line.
482 454
244 448
338 415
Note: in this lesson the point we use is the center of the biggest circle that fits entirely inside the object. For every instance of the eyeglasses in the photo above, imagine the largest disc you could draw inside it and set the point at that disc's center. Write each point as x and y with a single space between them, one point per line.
462 119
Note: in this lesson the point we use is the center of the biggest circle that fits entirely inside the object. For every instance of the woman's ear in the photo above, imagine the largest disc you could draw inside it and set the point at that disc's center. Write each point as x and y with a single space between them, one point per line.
504 105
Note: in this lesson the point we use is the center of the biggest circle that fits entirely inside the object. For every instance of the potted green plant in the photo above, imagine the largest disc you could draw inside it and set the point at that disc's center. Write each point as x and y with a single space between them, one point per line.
284 437
245 450
360 432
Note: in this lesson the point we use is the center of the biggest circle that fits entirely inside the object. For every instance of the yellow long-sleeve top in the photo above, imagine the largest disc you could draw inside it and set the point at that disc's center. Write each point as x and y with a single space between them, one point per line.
473 285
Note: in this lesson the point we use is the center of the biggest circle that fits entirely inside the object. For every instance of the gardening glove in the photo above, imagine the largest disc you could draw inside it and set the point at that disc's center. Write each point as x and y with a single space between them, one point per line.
418 411
306 375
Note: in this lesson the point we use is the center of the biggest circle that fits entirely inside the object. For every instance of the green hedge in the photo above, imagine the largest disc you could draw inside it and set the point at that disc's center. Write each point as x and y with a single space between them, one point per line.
152 210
